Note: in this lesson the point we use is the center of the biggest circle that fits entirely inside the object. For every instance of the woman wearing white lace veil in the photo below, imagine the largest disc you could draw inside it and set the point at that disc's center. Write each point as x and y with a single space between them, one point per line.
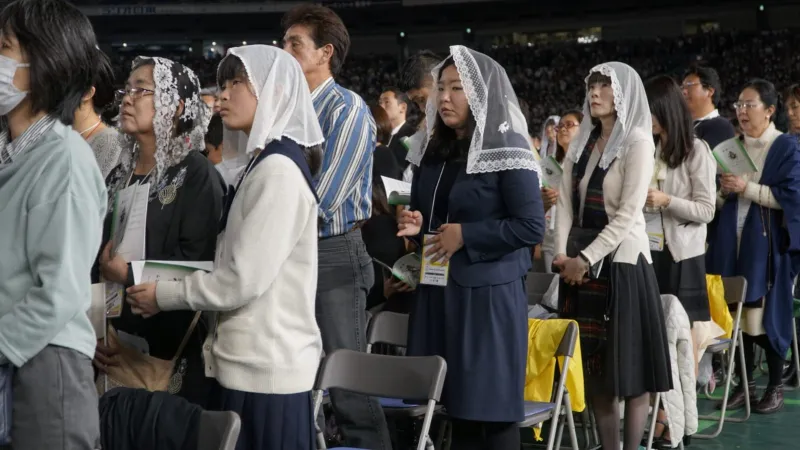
266 347
162 126
603 253
548 137
475 204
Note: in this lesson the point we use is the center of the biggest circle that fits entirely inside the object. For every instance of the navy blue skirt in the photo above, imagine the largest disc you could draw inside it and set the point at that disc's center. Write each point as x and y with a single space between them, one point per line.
269 421
482 333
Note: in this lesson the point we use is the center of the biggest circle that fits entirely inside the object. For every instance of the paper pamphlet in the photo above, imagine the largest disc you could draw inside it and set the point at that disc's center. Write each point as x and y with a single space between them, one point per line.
551 172
397 192
655 230
97 310
148 271
733 158
405 269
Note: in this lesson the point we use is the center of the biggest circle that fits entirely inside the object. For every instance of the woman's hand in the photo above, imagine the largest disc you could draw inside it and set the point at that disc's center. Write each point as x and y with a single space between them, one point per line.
559 260
574 270
393 286
732 184
549 197
443 245
656 199
104 357
409 223
113 269
142 298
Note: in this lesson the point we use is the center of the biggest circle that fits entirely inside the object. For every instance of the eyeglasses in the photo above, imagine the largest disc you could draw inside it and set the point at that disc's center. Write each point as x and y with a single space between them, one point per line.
745 106
134 93
566 126
688 85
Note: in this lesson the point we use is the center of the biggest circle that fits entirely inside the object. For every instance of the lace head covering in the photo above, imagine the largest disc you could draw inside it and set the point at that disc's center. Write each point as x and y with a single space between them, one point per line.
546 144
633 113
499 141
175 138
284 106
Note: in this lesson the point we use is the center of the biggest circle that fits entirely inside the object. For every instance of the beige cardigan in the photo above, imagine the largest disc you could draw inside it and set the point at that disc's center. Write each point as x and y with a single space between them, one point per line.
692 188
625 192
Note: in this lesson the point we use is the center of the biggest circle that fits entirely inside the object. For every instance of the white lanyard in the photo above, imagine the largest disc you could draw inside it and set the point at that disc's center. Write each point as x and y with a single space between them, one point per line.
433 202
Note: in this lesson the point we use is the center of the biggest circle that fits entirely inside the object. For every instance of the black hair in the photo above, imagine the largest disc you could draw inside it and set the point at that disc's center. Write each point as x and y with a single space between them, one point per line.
233 67
444 144
561 152
61 47
709 78
767 92
399 95
326 27
383 127
417 70
230 68
670 109
526 113
792 92
214 131
103 82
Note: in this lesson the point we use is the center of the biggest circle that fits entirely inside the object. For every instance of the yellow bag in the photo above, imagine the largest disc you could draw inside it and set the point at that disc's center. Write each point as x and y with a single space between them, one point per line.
720 313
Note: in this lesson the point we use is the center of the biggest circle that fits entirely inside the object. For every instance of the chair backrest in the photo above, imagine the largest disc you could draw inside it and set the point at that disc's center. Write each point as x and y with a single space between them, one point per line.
219 430
388 328
404 377
735 289
567 345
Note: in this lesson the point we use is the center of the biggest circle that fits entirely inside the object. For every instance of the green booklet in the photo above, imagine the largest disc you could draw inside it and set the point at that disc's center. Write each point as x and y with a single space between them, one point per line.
405 269
733 158
551 172
397 192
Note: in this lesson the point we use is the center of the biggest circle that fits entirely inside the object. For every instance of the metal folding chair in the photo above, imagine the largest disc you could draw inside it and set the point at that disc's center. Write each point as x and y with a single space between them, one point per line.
539 412
401 377
388 328
219 430
735 292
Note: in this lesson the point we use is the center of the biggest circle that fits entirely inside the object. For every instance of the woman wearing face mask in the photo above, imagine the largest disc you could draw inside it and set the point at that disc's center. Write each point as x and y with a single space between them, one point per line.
759 224
102 138
53 201
475 204
163 121
603 255
265 350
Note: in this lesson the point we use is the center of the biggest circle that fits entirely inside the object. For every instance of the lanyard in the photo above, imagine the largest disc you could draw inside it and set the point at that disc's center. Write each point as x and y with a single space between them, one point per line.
433 202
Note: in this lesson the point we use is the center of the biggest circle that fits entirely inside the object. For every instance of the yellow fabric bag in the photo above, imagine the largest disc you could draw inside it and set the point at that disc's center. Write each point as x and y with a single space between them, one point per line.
720 313
544 336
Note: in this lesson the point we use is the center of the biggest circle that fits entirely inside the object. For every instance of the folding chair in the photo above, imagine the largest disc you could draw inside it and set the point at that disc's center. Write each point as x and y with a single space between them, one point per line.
219 430
735 292
539 412
405 377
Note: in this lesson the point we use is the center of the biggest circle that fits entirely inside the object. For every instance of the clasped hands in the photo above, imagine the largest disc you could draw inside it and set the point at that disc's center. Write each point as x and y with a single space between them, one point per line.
442 245
572 270
732 184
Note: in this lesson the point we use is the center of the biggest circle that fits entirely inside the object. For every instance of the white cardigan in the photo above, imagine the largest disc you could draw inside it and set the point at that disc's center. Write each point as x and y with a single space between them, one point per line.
625 192
692 188
264 283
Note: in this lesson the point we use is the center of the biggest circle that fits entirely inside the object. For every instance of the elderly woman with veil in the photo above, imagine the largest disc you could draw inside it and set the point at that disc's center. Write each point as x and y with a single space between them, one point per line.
163 121
265 349
603 253
475 204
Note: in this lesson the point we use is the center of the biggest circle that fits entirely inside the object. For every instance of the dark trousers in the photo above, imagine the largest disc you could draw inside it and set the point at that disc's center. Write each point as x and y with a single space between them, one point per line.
55 402
345 277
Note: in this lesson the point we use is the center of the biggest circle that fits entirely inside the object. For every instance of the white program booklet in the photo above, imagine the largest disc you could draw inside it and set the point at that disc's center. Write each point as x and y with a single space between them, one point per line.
128 225
551 172
733 158
148 271
397 192
405 269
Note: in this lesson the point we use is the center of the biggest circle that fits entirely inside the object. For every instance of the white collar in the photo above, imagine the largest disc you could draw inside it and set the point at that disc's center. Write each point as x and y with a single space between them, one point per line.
765 140
712 115
397 128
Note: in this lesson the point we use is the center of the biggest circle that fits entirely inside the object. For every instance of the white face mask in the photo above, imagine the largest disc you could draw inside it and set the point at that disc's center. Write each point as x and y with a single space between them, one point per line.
10 96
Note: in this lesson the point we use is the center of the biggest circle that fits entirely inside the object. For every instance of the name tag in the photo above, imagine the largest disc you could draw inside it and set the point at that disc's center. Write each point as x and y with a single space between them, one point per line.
655 231
432 273
114 295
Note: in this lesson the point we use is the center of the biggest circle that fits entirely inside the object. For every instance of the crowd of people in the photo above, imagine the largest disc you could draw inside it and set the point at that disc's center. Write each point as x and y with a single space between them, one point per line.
274 173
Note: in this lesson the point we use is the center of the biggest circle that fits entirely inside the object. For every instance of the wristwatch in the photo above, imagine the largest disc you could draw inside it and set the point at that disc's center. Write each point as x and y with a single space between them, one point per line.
585 259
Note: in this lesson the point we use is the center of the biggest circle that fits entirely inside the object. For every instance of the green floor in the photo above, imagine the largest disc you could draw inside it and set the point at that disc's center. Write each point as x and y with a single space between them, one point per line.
776 431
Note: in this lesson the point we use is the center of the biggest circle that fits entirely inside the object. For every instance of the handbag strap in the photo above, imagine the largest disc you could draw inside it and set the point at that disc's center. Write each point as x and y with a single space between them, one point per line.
187 335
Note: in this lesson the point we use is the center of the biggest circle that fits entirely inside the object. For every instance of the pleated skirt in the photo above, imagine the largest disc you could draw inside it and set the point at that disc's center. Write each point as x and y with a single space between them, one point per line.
269 421
686 280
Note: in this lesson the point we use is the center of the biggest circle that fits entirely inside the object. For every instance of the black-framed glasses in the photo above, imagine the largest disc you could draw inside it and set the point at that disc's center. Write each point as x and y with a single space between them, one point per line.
135 93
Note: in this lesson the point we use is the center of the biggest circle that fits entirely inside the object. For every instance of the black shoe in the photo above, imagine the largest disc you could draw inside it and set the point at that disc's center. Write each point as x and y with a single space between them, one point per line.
737 398
772 401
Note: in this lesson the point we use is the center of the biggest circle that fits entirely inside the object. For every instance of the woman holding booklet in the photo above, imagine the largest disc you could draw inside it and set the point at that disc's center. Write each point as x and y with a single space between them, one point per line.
162 122
265 349
759 233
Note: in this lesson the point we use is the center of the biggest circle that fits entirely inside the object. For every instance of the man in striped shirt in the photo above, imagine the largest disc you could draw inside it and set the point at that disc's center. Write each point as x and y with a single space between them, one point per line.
318 39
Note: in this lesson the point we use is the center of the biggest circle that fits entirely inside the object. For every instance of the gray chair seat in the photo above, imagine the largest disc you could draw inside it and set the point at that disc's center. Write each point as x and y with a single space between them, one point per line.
536 413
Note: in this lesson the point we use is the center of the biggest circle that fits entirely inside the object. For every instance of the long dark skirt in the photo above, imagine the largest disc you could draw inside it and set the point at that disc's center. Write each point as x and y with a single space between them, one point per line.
269 421
686 280
482 333
622 323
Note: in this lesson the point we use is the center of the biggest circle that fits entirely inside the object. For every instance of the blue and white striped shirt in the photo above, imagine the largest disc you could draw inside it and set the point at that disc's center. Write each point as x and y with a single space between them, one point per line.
344 186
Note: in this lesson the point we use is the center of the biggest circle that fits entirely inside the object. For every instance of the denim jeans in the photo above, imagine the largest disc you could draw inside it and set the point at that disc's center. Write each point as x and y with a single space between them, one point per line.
345 277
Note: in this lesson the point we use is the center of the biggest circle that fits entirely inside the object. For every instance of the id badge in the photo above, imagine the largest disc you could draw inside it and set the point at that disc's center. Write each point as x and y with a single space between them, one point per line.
655 231
432 273
114 298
